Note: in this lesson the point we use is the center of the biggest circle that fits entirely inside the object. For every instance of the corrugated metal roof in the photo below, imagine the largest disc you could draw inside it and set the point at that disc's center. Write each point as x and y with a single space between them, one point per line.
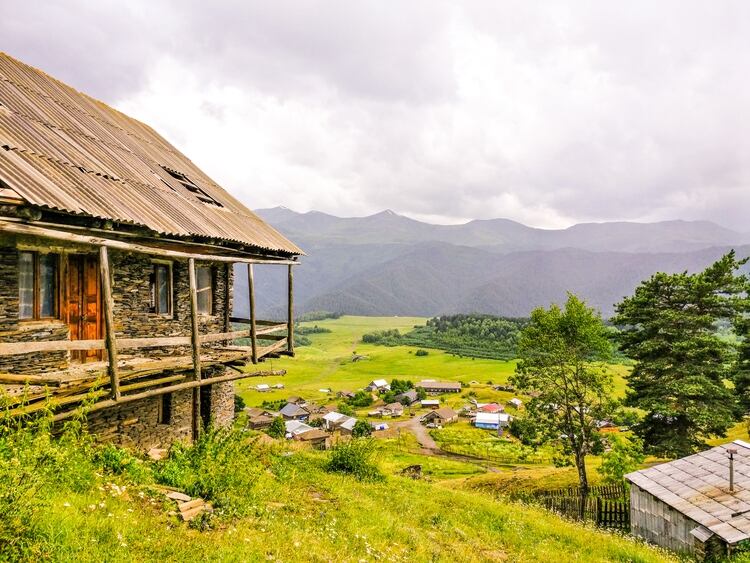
65 151
698 487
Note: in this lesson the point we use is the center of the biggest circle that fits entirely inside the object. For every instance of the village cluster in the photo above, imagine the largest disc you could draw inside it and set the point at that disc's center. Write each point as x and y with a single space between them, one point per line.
320 425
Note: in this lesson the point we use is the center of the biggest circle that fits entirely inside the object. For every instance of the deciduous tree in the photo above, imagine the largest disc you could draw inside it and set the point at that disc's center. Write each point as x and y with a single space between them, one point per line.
563 355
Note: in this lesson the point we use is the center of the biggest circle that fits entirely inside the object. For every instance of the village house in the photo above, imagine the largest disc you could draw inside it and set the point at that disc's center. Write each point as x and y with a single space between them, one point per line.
698 505
293 411
335 421
489 407
259 419
516 402
296 427
430 403
316 437
117 260
378 386
439 387
392 409
440 417
492 420
407 398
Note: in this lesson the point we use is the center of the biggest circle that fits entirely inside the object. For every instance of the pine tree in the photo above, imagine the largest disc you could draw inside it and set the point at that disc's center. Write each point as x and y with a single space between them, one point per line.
669 327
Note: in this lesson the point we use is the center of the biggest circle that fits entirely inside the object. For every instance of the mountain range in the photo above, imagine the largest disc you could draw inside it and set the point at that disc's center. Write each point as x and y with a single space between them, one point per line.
388 264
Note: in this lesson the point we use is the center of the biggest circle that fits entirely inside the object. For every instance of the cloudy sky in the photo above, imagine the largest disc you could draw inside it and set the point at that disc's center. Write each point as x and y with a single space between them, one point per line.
549 113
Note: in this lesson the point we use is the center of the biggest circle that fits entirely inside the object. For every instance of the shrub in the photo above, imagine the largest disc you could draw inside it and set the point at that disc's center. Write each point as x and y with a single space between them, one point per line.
221 466
239 404
361 399
421 352
344 408
361 429
118 461
277 429
356 458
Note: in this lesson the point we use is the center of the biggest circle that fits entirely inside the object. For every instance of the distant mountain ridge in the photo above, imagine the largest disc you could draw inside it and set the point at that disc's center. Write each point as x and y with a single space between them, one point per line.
388 264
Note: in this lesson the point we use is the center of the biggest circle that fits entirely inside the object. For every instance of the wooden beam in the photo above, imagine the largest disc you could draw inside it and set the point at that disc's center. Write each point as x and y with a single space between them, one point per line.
228 275
194 334
33 230
290 314
259 322
253 332
108 305
272 348
162 390
195 344
14 348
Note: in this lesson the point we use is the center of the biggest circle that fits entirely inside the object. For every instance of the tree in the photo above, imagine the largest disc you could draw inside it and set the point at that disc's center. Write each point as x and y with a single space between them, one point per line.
742 371
669 327
625 456
361 429
277 429
563 357
361 399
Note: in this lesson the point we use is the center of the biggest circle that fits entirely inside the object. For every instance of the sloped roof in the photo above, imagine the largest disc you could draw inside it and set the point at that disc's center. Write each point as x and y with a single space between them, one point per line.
698 487
63 150
290 409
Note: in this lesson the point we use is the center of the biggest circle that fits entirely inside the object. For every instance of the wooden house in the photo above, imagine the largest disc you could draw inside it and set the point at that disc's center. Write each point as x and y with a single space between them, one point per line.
697 505
440 416
117 257
439 387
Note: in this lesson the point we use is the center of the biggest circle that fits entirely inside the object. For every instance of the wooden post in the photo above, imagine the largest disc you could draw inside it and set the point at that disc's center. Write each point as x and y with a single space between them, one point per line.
253 330
195 343
228 272
109 322
290 315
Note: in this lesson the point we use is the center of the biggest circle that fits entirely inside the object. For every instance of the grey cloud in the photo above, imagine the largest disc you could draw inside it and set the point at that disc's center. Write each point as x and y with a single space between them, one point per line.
544 112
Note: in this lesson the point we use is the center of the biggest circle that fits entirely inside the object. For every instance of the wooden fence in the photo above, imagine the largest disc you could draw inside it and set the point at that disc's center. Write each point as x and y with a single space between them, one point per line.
615 492
606 505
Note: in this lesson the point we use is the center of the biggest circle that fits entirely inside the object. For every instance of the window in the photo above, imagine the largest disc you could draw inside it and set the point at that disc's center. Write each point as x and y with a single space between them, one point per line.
165 409
161 289
205 289
37 285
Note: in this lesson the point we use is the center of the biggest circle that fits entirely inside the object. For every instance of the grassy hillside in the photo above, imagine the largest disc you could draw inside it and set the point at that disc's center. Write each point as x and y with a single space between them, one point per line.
272 503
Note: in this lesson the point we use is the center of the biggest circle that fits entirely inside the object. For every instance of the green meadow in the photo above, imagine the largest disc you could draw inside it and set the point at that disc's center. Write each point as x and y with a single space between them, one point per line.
331 362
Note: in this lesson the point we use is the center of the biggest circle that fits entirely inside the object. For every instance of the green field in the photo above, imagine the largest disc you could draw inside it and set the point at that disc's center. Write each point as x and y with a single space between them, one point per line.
328 364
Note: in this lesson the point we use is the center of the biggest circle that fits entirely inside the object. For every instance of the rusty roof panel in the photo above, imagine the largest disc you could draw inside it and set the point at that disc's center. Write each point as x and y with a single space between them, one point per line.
65 151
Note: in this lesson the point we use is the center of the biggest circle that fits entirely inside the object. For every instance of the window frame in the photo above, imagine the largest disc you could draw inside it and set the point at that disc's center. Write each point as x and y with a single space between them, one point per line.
36 289
155 265
209 289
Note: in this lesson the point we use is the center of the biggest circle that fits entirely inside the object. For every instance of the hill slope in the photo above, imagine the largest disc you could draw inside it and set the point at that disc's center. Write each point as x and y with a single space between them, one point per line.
271 504
387 264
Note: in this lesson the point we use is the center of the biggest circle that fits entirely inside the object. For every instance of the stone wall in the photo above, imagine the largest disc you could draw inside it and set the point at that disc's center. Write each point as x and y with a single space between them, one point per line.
134 424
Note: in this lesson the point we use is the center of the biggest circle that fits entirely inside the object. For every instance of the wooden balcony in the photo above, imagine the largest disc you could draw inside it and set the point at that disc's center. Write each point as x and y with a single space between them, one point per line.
126 375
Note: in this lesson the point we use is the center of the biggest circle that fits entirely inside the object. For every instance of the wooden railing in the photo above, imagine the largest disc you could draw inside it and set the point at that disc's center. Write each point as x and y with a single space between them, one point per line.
15 348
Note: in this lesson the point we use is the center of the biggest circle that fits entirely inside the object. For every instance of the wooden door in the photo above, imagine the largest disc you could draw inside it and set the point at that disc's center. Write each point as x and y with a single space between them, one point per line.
84 304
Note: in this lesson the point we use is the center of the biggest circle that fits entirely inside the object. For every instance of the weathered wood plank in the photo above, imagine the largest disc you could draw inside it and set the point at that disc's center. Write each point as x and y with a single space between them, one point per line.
290 312
253 330
33 230
108 305
196 347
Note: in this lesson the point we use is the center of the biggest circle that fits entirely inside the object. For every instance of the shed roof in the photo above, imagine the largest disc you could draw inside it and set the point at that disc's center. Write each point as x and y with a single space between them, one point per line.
63 150
431 384
491 417
290 409
698 487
